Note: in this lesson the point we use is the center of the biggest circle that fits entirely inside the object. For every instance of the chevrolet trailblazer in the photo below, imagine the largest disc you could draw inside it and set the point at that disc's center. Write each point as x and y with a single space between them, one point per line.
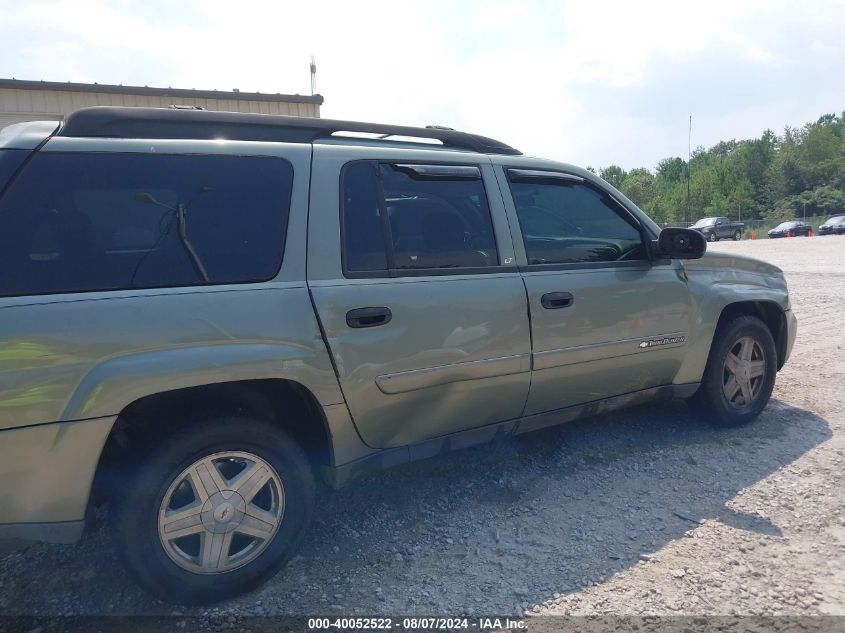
203 312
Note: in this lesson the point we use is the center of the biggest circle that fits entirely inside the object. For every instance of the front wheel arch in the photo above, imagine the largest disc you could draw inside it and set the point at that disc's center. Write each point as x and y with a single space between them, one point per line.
721 382
769 312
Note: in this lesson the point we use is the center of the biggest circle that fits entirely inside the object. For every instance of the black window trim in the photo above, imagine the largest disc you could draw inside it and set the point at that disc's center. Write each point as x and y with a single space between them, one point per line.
384 218
197 284
397 273
628 263
552 177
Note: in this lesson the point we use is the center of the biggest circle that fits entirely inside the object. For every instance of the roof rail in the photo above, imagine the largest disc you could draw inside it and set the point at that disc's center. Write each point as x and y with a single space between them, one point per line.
165 123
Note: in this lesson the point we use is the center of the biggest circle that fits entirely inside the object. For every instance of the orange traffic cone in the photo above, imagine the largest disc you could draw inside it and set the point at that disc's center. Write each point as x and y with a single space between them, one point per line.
753 235
789 234
810 233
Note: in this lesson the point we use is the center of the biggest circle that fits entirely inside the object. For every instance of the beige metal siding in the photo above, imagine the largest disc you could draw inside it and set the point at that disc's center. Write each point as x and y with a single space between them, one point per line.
10 119
18 105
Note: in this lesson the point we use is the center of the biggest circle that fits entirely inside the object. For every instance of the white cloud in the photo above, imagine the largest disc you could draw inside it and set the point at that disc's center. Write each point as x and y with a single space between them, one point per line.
593 82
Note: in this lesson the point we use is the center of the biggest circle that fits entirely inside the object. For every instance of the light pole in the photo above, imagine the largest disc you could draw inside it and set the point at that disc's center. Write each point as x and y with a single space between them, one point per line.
689 159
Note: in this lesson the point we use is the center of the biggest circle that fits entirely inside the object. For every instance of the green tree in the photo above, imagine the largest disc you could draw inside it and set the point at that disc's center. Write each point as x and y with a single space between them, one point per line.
639 186
614 175
784 175
672 170
766 177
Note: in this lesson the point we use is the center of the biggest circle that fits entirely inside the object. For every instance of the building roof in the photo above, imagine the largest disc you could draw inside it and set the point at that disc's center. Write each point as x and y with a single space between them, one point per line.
24 84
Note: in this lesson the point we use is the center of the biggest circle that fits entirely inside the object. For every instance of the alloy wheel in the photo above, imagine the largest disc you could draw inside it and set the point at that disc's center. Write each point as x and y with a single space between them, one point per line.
221 512
744 373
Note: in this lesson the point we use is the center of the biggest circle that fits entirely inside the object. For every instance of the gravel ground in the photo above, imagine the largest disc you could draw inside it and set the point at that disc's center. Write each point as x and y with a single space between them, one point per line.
642 511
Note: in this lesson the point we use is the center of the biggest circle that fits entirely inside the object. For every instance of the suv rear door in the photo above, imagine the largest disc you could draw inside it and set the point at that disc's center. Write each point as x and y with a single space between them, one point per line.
605 320
410 266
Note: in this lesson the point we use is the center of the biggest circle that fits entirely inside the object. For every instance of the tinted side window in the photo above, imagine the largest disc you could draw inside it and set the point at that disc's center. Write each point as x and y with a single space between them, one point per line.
568 222
364 247
76 222
402 217
10 160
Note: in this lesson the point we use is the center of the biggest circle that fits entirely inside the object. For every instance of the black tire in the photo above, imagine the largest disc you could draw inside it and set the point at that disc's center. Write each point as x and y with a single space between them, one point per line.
712 238
136 511
737 235
710 402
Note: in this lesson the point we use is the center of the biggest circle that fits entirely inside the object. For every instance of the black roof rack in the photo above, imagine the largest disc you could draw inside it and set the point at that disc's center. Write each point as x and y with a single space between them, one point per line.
166 123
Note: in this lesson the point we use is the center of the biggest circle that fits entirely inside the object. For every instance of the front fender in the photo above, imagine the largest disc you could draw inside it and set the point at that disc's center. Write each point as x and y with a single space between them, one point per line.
716 282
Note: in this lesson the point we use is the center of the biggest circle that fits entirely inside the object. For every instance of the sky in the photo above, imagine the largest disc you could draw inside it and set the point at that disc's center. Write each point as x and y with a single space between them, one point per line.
586 82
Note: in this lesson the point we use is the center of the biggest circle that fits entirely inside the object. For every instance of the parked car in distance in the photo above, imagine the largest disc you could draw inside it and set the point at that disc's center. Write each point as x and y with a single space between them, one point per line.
833 225
792 228
715 229
202 312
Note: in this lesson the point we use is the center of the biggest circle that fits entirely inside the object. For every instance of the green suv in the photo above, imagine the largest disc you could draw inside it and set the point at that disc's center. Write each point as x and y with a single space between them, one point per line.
201 313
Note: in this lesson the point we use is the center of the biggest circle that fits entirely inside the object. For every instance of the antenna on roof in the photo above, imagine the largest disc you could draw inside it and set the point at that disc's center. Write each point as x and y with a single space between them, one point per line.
313 76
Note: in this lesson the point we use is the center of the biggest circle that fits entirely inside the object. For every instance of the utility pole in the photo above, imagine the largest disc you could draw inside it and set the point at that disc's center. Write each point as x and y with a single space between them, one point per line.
689 159
313 76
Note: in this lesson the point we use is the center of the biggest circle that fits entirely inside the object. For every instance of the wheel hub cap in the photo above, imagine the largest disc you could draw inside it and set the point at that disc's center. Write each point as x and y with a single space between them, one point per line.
221 512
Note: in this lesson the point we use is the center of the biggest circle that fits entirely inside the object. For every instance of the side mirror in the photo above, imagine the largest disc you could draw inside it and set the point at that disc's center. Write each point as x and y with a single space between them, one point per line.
675 243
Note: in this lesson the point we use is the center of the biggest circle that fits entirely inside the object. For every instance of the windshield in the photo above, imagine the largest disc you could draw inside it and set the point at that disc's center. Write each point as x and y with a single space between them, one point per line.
786 225
704 222
837 219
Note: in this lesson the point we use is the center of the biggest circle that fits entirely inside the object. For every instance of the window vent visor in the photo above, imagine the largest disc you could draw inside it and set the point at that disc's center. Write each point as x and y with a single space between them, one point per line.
534 175
439 172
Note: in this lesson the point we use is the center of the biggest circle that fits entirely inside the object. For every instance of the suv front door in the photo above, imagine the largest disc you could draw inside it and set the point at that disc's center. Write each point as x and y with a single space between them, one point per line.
605 321
410 266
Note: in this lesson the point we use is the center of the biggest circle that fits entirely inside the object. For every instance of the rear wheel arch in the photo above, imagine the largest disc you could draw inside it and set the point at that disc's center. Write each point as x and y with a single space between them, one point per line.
185 539
287 404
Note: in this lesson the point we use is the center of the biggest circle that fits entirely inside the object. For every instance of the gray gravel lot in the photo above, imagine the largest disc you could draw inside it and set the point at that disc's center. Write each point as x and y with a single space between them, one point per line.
638 512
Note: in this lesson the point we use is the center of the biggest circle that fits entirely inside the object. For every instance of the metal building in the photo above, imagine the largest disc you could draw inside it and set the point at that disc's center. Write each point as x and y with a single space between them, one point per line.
22 100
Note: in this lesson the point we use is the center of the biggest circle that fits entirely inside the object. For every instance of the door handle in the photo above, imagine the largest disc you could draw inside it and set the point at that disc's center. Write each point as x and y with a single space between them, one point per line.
557 300
368 317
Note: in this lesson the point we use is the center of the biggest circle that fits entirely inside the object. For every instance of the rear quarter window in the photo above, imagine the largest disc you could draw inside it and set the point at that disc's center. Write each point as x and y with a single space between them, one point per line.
10 160
73 222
